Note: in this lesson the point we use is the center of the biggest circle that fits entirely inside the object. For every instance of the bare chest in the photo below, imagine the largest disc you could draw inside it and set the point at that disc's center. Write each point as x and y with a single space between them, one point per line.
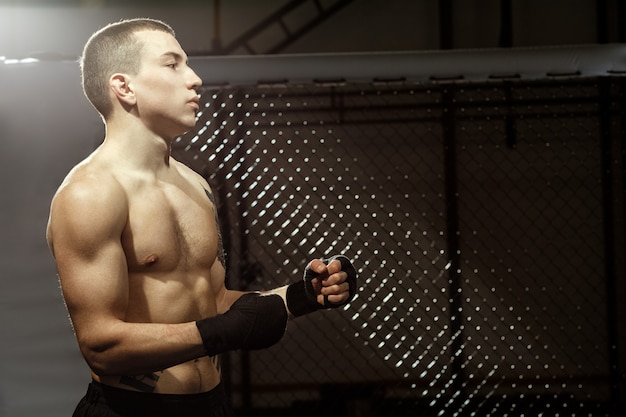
170 228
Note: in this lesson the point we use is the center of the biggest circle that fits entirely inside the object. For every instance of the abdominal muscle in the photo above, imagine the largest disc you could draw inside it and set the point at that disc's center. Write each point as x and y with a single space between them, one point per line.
163 298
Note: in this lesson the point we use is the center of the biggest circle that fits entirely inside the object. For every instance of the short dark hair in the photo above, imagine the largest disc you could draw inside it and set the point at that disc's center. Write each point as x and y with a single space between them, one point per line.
112 49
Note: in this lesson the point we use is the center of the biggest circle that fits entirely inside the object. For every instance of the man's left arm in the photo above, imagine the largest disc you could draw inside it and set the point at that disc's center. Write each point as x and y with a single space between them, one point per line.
326 283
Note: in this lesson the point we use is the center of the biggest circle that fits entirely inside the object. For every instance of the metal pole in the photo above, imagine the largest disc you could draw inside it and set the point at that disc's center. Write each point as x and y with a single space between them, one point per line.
445 24
506 23
453 241
602 21
217 37
609 238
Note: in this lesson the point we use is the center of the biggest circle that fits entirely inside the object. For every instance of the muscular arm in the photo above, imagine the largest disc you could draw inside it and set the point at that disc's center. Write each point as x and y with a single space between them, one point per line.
330 283
86 222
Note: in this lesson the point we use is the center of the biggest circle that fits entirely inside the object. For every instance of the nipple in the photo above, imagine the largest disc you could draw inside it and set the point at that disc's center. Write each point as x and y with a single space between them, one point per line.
151 260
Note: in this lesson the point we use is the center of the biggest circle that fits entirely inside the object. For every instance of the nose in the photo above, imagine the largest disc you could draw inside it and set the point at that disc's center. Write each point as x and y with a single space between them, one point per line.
194 80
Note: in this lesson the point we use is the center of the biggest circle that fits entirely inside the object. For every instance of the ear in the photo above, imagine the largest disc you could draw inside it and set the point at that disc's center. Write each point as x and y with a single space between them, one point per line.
119 85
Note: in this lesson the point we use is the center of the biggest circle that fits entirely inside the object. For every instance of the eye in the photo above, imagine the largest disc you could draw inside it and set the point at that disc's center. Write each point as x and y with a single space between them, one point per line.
172 65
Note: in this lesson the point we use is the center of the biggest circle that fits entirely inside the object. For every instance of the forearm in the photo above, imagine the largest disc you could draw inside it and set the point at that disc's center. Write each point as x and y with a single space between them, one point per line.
121 348
282 292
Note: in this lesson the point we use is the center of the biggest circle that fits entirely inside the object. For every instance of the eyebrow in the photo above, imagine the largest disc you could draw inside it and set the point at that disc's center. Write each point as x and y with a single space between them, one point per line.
178 57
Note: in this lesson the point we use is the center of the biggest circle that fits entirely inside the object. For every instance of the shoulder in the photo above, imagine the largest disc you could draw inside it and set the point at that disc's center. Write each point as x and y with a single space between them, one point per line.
189 174
89 202
89 184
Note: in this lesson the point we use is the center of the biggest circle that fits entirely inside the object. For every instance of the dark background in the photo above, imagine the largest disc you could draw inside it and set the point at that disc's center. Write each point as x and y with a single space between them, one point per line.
46 126
61 27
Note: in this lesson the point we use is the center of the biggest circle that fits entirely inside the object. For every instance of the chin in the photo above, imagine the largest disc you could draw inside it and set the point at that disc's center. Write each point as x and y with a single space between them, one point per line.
184 128
191 123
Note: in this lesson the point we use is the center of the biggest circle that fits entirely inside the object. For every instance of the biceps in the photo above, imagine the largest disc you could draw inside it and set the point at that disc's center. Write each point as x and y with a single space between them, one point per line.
95 287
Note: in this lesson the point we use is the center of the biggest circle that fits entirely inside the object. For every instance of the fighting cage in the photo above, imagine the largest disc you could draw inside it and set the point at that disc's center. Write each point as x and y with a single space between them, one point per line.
485 217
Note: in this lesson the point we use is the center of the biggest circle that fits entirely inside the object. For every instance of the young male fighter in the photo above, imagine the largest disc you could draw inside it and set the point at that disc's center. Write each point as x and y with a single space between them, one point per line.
137 245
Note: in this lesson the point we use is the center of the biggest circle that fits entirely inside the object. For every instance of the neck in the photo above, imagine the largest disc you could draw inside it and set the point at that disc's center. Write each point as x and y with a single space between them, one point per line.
138 146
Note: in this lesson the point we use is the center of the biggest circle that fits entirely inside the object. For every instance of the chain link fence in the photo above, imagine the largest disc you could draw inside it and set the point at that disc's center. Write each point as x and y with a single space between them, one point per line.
486 221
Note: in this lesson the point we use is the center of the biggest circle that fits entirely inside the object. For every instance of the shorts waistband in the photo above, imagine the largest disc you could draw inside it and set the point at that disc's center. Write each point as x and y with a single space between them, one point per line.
145 403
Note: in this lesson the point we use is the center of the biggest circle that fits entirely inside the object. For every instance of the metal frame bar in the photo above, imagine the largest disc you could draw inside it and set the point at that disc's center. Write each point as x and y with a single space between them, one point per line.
461 66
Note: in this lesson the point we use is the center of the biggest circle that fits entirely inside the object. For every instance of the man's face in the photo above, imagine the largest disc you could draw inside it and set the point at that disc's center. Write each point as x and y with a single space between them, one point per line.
165 86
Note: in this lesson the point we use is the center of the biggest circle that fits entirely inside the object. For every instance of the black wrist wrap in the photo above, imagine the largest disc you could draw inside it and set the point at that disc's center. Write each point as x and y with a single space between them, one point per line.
301 296
298 301
254 321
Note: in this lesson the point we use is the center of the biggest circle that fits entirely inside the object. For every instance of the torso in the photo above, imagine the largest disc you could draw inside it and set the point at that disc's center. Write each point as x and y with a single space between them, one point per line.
171 242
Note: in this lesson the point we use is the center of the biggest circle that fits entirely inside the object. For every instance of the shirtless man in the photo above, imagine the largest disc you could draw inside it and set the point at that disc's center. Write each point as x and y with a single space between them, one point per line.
137 246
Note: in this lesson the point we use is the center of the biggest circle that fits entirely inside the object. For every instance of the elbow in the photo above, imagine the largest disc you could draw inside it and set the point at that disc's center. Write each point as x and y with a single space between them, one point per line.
101 366
99 361
100 358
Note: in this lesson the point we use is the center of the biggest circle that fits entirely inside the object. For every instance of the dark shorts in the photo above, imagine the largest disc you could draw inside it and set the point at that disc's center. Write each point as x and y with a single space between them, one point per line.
105 401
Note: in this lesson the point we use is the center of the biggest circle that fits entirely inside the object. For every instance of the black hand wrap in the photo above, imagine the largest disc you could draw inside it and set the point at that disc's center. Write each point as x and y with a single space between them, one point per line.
301 296
254 321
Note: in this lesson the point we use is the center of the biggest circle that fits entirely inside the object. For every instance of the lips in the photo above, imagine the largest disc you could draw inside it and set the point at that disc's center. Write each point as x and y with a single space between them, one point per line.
195 102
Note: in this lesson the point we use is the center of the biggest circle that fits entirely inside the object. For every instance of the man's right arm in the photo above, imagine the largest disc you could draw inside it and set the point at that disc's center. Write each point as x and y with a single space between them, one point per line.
84 232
